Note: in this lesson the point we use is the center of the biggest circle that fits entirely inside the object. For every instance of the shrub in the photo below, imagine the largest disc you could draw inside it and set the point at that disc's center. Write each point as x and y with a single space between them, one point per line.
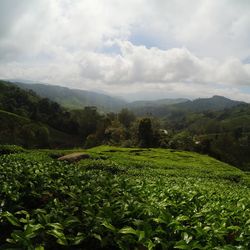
10 149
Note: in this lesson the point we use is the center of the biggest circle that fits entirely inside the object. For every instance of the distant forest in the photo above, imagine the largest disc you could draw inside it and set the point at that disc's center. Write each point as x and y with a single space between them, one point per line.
215 126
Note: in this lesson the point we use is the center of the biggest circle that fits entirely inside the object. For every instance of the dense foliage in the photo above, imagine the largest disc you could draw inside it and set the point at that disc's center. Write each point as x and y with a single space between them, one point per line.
75 98
122 199
201 125
10 149
223 134
27 104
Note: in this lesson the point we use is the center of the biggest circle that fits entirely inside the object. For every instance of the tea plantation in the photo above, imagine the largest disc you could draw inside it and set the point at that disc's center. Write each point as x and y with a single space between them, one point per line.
122 198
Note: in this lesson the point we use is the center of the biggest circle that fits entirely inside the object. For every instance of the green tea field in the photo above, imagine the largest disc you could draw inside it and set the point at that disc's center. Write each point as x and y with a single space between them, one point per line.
122 198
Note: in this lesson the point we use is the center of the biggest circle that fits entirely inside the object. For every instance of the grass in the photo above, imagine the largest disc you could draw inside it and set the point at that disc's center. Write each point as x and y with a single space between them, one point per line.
122 198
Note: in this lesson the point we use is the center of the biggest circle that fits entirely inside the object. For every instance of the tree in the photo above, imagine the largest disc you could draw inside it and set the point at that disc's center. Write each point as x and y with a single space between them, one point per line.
145 133
42 136
126 117
88 120
28 136
183 141
115 133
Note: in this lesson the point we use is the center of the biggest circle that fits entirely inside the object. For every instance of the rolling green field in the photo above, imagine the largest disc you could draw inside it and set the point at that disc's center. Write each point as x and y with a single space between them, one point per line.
122 198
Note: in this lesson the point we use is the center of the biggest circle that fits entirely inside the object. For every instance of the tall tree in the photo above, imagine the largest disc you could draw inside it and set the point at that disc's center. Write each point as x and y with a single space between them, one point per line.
126 117
145 133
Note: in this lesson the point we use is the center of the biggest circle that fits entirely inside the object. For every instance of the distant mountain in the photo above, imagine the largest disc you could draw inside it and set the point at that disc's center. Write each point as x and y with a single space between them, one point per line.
215 103
78 99
160 102
75 98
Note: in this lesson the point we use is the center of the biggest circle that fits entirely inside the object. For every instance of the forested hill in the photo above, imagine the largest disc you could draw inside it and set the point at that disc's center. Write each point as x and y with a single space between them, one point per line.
78 99
75 98
215 103
156 103
30 120
222 134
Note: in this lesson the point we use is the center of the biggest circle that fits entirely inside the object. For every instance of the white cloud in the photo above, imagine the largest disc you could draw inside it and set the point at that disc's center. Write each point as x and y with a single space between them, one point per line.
135 64
208 27
199 45
36 26
138 64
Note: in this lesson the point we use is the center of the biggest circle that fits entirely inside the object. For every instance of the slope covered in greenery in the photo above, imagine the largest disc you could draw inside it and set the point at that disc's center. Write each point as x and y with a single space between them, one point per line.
123 198
19 130
156 103
193 126
32 121
223 134
215 103
76 98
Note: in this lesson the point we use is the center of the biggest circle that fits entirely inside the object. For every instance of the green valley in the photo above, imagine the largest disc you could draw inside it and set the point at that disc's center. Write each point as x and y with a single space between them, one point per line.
142 182
216 126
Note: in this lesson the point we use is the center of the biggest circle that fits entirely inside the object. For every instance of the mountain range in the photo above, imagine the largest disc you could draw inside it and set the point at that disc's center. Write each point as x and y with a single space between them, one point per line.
78 99
75 98
27 118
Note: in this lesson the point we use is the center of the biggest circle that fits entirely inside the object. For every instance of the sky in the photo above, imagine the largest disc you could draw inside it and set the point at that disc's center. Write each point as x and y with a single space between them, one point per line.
137 49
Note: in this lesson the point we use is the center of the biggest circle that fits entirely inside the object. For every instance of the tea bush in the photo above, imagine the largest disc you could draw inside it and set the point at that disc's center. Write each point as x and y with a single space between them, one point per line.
109 204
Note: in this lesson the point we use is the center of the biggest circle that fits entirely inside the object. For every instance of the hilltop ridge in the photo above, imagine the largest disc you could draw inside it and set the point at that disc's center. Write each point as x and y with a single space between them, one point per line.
77 99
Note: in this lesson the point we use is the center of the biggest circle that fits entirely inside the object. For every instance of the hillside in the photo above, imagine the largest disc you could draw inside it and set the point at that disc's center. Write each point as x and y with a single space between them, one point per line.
215 103
31 121
155 103
78 99
122 198
75 98
223 134
228 120
203 125
18 130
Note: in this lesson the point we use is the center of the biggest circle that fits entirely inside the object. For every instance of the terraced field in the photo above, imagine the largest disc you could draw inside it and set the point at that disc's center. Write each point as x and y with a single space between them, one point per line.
122 198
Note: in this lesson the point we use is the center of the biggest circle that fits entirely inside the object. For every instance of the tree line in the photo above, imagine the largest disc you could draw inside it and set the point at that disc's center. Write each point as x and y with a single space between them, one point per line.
41 123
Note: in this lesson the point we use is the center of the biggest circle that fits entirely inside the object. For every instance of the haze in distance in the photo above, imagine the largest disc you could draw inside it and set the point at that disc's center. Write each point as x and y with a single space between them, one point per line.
137 49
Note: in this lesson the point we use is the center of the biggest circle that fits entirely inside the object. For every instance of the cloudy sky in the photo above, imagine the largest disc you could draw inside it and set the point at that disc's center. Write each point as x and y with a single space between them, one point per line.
143 49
